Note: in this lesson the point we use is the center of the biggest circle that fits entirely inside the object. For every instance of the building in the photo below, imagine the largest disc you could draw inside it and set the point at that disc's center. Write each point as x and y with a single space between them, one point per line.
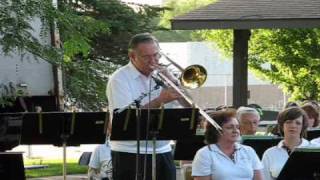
218 88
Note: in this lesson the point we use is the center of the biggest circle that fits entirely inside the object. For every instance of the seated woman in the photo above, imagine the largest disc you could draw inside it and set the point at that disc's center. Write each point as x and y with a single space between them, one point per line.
224 158
292 125
312 114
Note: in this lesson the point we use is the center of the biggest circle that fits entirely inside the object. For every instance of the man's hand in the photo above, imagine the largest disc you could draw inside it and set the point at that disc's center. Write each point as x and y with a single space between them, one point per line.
168 95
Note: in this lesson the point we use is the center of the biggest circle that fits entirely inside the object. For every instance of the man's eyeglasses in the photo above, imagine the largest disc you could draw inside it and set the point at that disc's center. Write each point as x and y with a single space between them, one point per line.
148 57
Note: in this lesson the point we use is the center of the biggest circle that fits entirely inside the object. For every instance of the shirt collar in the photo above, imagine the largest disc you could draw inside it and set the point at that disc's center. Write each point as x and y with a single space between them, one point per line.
214 147
134 71
304 143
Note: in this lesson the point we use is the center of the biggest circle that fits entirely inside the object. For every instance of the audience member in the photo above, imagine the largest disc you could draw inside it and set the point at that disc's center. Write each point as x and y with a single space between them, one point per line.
312 114
100 165
313 103
248 119
292 123
224 158
291 104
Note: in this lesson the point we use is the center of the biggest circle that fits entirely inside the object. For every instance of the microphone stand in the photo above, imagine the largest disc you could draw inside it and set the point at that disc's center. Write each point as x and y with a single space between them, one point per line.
160 84
137 103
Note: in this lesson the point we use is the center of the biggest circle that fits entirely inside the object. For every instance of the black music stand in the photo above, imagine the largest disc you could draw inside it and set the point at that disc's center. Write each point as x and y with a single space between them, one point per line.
72 128
186 149
11 166
260 143
64 129
11 163
303 164
170 124
313 133
10 130
164 124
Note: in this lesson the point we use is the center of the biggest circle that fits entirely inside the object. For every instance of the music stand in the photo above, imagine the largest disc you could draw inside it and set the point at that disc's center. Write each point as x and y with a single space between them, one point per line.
165 121
186 149
10 130
163 125
303 164
11 163
52 127
260 143
64 129
11 166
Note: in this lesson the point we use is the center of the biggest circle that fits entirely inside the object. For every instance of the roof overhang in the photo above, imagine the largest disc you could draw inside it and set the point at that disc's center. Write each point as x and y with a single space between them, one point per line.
244 24
251 14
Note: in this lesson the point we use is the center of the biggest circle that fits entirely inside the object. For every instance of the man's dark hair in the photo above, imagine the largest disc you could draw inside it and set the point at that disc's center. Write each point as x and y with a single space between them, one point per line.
141 38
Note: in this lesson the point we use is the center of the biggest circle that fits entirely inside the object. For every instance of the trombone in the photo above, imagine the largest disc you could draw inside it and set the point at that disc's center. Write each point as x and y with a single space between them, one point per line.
191 77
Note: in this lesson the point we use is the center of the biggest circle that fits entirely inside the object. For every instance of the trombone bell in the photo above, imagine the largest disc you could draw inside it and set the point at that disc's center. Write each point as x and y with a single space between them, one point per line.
193 76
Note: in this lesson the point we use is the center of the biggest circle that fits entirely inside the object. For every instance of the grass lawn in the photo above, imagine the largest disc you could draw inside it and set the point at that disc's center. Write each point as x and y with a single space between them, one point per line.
54 168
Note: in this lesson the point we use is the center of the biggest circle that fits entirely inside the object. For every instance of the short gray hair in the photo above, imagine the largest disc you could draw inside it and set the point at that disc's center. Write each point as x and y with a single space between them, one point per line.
246 110
141 38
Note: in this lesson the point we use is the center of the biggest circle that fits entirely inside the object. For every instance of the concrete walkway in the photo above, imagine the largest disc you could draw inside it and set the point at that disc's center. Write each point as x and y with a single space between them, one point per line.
84 177
69 177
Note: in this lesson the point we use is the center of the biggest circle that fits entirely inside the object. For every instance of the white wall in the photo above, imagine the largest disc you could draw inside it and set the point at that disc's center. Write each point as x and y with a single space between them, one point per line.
25 69
219 68
218 88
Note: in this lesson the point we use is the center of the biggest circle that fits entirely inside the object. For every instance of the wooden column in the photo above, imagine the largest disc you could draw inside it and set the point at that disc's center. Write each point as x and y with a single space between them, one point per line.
240 67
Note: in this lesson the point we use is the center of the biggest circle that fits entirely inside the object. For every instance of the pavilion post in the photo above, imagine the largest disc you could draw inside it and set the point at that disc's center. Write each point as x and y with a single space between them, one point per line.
240 67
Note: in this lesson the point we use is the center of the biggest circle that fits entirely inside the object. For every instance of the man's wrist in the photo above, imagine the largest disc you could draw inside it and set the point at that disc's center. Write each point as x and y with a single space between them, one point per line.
157 102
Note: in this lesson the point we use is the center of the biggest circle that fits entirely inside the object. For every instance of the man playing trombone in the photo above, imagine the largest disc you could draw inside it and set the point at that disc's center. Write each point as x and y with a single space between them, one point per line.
125 86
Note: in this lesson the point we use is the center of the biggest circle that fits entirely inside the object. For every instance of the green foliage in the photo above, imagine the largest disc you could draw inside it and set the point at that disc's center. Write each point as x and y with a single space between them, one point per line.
76 30
87 73
222 38
173 36
86 82
54 168
289 58
179 7
16 31
94 35
294 56
173 9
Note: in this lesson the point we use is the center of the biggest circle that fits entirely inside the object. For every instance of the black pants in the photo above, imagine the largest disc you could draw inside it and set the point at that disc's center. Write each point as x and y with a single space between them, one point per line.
124 166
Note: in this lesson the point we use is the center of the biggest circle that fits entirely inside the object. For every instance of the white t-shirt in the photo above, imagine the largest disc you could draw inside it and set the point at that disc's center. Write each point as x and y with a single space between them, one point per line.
101 160
274 159
125 86
217 164
100 154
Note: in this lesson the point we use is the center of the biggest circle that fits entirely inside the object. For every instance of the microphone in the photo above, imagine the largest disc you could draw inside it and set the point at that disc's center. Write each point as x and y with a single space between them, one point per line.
158 82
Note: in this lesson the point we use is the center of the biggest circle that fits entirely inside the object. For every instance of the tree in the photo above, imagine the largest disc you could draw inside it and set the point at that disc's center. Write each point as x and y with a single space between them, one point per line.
175 8
94 36
108 49
286 57
16 30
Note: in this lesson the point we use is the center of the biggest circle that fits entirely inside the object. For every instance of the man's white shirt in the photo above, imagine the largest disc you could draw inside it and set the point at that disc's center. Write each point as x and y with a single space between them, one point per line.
124 86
